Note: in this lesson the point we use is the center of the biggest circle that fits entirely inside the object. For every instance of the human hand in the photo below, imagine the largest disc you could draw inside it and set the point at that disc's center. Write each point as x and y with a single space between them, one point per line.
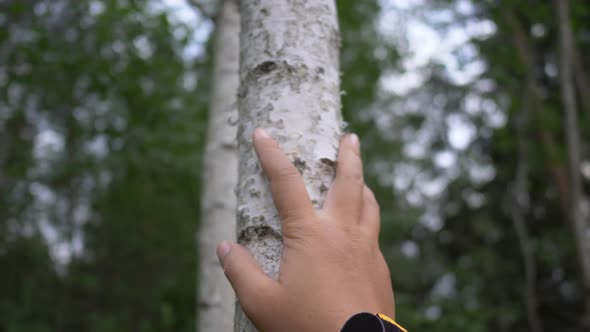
331 266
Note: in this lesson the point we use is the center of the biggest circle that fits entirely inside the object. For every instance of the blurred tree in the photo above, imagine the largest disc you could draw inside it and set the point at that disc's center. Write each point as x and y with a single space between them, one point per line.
101 130
579 217
102 124
494 212
216 300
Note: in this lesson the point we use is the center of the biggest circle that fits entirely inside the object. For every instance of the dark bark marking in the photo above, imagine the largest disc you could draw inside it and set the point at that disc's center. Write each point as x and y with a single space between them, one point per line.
329 162
256 233
300 164
265 68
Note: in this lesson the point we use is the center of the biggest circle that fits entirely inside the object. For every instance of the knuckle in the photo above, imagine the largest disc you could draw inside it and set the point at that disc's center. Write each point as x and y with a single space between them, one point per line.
292 213
299 230
370 195
369 230
370 199
291 216
355 177
284 172
373 206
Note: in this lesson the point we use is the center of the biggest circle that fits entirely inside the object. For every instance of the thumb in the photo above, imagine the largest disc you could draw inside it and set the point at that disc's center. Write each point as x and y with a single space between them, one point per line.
252 286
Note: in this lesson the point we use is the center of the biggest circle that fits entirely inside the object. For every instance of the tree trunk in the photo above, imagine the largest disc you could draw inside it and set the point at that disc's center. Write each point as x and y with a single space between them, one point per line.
582 81
572 131
289 85
220 176
519 204
550 147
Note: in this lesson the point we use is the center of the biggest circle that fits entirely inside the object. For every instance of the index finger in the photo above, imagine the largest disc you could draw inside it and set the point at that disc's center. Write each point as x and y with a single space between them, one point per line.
286 184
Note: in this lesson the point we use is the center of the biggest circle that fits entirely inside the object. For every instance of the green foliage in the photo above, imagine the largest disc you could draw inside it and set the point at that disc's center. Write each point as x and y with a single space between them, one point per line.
102 118
103 129
472 240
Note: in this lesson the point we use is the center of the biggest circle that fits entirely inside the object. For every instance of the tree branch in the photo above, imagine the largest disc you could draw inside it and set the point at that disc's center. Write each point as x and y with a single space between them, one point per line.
582 80
525 54
572 130
518 205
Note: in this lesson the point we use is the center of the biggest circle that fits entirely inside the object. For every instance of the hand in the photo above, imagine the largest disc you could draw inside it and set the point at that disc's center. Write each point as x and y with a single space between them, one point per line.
331 267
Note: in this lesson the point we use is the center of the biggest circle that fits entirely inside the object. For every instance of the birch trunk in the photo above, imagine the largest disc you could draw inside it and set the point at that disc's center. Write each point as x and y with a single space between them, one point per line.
579 220
220 176
289 85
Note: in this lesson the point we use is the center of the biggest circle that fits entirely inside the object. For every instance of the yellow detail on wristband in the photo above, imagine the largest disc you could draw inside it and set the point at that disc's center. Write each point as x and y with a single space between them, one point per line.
388 319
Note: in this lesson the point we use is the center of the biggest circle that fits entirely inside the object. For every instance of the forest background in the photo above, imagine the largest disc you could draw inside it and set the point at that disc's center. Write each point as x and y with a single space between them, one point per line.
459 105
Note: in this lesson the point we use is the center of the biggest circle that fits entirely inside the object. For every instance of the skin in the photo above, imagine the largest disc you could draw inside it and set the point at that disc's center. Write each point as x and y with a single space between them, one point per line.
332 267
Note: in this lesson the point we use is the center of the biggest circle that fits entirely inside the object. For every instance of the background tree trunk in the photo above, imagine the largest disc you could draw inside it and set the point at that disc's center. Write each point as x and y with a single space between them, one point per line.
220 175
535 98
290 85
519 205
582 80
568 96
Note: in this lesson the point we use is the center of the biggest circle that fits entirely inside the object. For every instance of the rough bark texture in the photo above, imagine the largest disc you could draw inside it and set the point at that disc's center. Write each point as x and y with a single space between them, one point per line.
568 95
220 176
289 85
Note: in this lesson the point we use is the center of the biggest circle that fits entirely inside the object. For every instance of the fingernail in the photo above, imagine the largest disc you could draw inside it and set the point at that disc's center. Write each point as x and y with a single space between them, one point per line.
223 249
353 139
262 133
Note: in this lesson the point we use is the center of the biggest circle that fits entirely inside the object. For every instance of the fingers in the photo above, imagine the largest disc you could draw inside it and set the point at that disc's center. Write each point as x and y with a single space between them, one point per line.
345 197
370 217
246 277
287 186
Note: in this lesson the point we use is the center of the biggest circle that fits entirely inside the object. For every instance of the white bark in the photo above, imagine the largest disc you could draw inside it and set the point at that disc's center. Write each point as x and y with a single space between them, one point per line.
289 85
579 219
220 176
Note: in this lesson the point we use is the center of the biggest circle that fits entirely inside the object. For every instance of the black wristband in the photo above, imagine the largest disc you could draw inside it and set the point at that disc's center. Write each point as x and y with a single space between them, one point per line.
367 322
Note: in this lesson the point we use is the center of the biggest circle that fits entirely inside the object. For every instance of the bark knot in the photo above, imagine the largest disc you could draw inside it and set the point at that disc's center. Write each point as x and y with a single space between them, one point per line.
328 161
265 68
256 233
300 164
